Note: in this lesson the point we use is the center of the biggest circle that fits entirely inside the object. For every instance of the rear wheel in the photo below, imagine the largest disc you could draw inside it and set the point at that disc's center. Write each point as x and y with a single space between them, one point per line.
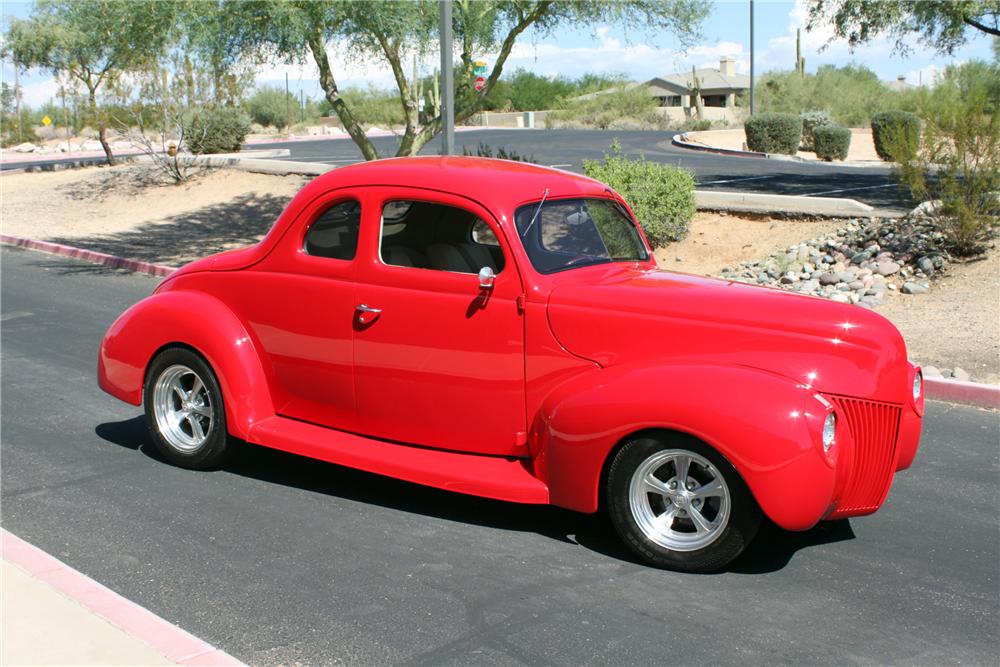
679 505
184 409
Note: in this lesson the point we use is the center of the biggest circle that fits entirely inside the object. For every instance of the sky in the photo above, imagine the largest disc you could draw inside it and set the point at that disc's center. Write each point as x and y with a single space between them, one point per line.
639 55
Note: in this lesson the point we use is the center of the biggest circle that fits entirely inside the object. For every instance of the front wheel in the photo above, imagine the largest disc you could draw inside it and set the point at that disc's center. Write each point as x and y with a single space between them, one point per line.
184 409
679 505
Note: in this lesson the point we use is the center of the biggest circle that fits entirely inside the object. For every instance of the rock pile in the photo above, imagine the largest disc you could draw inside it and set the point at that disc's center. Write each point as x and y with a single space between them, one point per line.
859 263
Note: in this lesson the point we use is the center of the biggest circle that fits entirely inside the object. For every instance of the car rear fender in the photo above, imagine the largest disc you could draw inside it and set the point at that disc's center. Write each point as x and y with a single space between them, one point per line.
198 321
764 424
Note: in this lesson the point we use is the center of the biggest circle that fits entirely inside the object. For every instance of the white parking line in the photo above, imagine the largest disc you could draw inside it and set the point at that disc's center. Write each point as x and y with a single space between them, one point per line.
735 180
866 187
556 166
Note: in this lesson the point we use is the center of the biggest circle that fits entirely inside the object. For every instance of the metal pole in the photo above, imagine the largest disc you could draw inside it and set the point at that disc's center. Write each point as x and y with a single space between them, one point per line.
288 105
753 107
17 98
447 82
302 105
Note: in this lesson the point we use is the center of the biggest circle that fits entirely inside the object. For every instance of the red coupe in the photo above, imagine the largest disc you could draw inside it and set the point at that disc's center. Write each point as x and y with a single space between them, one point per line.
501 329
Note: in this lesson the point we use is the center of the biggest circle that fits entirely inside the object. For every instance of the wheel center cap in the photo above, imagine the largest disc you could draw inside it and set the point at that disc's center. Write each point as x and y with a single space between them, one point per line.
682 501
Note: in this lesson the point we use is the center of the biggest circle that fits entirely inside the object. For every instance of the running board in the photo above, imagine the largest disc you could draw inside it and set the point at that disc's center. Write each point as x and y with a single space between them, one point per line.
502 478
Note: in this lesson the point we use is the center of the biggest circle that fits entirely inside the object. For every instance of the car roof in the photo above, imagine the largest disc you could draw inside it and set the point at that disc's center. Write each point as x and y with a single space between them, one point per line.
497 184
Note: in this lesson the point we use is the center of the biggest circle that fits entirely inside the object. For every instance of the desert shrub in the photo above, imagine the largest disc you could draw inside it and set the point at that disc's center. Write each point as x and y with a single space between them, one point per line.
893 128
850 94
831 142
267 106
661 196
958 160
484 150
210 130
373 106
774 133
607 109
696 125
810 121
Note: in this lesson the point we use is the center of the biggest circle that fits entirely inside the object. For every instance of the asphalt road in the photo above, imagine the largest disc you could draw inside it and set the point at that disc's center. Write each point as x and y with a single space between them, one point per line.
277 559
568 149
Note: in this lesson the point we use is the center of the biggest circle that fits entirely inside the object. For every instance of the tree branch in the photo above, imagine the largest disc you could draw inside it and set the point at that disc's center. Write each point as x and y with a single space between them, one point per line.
968 20
329 86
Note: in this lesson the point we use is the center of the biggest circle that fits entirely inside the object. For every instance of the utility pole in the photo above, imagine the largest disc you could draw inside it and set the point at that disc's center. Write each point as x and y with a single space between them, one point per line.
447 81
288 106
753 107
302 105
17 99
62 93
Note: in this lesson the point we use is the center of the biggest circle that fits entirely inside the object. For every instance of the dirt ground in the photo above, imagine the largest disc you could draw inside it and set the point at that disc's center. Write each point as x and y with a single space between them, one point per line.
862 147
133 212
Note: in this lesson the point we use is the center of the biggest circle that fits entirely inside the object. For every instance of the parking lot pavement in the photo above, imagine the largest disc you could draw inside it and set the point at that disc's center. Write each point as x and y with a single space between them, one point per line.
277 559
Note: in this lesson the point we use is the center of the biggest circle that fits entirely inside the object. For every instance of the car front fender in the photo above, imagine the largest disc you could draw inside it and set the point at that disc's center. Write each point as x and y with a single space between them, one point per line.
767 426
200 322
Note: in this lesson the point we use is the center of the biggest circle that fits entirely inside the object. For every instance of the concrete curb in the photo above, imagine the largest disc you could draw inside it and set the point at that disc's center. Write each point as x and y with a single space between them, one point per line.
957 391
170 641
750 202
705 148
92 256
259 166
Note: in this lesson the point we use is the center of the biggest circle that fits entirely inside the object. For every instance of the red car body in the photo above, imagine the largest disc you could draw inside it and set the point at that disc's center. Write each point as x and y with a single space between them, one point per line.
525 395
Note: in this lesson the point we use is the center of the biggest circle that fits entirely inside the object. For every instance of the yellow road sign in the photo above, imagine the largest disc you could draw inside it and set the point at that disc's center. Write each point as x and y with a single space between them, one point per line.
46 121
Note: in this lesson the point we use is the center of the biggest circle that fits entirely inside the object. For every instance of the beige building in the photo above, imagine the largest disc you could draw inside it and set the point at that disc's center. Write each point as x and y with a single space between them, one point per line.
719 87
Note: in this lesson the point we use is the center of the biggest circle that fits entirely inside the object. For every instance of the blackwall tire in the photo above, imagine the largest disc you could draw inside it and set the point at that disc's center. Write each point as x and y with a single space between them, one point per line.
678 504
184 410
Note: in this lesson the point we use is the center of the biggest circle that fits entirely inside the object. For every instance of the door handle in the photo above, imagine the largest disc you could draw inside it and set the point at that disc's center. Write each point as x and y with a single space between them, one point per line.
366 314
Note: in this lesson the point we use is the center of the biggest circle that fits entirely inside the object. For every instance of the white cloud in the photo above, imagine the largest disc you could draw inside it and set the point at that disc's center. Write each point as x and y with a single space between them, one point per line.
37 93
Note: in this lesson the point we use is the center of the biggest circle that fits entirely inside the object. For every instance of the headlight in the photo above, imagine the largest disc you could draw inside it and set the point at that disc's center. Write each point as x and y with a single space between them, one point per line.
918 385
829 431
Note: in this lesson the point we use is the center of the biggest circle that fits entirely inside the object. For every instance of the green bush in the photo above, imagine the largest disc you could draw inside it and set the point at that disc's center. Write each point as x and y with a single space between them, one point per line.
810 121
892 128
269 106
661 196
774 133
831 142
959 158
215 130
850 94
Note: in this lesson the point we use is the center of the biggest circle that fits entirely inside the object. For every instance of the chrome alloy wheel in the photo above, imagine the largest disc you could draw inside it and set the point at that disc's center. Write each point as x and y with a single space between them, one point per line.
183 409
679 500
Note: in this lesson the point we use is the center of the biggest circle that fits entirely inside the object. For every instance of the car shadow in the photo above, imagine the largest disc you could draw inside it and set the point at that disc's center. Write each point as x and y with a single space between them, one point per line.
771 550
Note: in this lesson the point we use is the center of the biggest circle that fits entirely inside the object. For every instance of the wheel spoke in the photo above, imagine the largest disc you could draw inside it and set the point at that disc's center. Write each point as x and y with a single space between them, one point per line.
196 430
656 485
713 488
196 387
700 523
682 463
666 520
177 389
203 410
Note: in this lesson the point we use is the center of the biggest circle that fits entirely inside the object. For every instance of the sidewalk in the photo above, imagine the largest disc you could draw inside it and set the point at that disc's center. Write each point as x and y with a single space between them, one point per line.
50 614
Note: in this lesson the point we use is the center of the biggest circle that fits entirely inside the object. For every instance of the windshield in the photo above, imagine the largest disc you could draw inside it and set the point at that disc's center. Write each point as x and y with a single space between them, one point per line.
568 233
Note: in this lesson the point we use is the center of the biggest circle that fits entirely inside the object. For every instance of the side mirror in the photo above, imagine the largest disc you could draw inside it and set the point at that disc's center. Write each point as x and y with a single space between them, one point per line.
486 278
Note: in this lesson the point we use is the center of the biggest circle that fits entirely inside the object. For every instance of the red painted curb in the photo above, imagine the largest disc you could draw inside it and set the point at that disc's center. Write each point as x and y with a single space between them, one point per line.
93 256
164 637
957 391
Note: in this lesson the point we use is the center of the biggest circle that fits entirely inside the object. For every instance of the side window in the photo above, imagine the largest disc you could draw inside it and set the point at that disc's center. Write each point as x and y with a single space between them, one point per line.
334 234
423 235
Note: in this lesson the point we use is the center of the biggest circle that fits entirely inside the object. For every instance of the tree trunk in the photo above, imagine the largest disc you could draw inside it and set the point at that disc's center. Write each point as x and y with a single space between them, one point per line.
329 86
102 130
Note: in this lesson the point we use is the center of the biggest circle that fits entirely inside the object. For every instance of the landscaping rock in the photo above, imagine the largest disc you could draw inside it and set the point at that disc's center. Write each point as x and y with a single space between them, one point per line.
829 279
887 268
960 374
913 288
931 372
926 265
26 147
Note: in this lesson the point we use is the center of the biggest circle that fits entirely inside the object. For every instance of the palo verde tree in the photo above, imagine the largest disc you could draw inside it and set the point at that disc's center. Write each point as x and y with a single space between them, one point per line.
394 31
940 24
91 41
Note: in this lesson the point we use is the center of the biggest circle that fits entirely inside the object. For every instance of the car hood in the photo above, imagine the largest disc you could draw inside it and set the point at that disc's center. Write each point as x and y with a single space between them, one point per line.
651 316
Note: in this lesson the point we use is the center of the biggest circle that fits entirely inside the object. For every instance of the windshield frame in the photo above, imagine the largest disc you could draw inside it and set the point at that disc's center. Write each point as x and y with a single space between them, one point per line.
534 236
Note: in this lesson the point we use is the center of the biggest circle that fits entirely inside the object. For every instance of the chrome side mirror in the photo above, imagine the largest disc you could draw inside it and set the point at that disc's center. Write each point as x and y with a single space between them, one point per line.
486 278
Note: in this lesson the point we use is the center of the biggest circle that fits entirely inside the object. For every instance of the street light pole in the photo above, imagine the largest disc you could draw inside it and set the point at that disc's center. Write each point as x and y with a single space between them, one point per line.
447 81
752 105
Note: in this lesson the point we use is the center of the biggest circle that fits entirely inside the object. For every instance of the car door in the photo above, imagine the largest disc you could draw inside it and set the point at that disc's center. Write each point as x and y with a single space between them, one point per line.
298 306
438 360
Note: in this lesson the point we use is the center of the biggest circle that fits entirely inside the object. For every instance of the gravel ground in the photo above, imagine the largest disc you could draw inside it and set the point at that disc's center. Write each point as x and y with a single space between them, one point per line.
131 211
